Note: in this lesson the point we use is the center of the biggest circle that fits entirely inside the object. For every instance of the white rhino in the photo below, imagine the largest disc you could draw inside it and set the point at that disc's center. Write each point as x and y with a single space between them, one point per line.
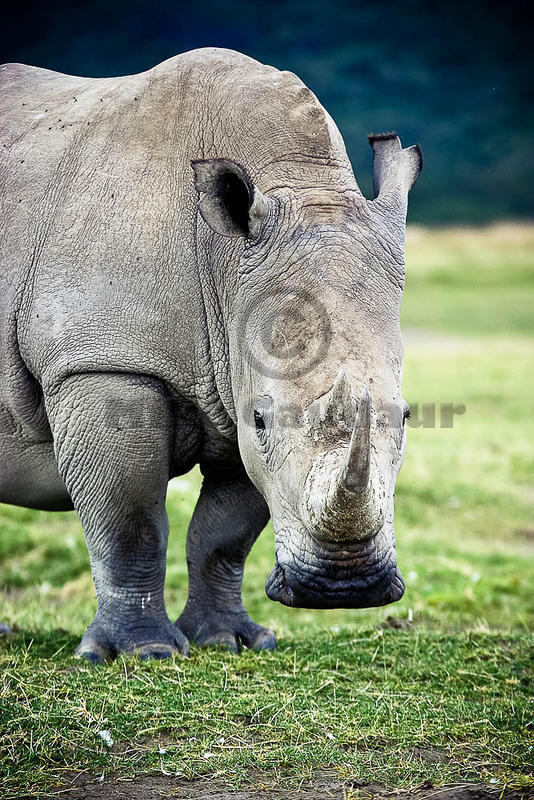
190 274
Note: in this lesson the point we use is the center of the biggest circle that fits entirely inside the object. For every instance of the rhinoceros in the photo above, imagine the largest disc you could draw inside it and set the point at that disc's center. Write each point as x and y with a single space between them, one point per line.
191 275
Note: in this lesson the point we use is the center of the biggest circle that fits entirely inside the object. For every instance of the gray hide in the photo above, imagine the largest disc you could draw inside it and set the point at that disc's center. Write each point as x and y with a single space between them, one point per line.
189 274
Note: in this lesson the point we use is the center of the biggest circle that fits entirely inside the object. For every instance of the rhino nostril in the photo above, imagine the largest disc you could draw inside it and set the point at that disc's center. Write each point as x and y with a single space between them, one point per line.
277 588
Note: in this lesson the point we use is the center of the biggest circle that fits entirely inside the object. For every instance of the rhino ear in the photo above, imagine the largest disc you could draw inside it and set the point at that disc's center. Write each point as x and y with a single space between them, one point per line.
229 202
395 170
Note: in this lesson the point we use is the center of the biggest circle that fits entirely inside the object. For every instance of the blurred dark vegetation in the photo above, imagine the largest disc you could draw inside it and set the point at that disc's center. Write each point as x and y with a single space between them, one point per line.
456 76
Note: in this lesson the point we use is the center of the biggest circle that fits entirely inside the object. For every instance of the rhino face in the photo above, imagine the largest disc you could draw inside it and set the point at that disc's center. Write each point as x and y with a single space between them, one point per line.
333 510
324 447
316 359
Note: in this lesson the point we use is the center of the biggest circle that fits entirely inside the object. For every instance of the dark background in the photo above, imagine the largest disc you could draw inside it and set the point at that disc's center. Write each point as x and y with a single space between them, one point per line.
458 77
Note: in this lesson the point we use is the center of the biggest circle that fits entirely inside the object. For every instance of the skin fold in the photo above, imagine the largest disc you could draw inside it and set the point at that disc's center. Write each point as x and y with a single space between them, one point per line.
190 274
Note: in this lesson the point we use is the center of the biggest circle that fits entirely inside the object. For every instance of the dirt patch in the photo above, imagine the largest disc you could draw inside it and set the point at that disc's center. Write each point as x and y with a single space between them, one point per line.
525 533
396 624
158 787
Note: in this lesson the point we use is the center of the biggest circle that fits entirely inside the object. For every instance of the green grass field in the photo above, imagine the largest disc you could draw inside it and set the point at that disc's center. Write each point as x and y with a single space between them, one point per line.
446 697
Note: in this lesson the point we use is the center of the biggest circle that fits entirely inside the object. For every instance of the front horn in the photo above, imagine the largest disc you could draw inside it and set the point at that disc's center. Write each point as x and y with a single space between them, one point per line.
341 501
357 467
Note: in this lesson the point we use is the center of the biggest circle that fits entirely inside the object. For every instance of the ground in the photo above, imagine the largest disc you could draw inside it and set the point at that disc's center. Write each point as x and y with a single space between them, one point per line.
432 692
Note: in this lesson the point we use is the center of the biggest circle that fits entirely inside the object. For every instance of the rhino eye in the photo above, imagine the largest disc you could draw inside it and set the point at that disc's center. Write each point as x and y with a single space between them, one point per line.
259 422
263 418
407 413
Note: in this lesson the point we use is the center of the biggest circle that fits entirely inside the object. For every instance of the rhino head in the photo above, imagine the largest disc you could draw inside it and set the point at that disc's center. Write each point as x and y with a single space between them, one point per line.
315 356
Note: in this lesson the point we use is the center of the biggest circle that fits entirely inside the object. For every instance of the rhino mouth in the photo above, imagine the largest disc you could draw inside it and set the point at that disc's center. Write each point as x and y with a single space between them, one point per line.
294 588
277 588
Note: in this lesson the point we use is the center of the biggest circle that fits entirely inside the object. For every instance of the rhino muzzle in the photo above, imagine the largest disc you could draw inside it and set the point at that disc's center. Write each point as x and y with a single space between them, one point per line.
309 573
299 590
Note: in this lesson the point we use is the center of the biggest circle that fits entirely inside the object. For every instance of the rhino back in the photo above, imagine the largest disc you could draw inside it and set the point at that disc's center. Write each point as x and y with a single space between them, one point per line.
99 227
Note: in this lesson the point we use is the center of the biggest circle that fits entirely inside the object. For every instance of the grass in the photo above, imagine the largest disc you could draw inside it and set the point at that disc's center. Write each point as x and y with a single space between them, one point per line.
470 282
445 698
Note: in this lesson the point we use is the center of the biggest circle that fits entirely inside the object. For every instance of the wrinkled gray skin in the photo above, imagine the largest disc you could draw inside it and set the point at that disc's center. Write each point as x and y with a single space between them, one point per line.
190 274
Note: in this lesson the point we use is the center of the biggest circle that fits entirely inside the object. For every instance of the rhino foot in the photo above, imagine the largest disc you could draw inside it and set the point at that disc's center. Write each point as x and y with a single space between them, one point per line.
102 643
231 630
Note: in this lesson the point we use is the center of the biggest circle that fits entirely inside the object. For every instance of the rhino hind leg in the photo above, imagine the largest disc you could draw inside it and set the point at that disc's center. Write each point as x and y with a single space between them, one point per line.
28 471
229 516
113 435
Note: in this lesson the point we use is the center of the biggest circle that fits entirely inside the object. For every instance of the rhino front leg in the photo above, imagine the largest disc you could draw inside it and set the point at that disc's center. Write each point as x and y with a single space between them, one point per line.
112 438
229 516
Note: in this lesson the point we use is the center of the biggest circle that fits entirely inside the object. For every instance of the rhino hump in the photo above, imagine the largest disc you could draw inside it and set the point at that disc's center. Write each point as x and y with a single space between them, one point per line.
100 208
